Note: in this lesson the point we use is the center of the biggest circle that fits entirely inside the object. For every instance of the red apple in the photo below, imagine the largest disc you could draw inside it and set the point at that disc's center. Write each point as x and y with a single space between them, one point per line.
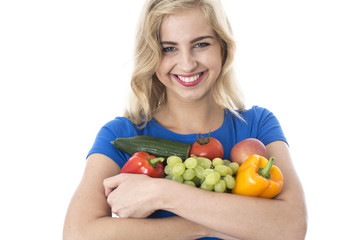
244 149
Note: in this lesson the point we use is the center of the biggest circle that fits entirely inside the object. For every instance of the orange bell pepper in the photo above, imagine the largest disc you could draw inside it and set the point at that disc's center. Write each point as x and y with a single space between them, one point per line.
258 177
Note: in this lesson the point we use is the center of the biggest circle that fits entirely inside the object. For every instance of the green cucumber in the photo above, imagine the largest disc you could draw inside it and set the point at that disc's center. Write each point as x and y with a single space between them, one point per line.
158 147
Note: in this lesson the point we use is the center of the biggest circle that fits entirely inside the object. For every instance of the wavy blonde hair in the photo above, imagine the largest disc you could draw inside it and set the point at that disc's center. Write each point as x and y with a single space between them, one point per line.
148 93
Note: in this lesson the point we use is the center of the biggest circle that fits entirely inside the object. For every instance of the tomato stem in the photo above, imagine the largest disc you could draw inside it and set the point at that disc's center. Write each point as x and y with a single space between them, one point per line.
203 140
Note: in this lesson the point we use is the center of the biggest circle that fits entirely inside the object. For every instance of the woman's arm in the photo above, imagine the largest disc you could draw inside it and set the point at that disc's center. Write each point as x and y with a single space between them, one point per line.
283 217
89 215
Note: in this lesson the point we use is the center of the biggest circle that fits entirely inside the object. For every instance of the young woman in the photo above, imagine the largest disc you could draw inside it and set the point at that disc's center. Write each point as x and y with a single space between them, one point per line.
183 84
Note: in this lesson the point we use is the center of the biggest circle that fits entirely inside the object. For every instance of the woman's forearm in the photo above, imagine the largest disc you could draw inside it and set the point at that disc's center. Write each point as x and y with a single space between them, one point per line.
245 217
133 228
89 215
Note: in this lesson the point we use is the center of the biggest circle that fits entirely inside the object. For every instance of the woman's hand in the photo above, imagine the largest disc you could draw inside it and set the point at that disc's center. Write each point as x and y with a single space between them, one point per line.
132 195
136 196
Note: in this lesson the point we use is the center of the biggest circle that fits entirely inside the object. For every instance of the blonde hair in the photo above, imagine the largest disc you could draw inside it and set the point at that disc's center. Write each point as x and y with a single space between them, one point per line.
148 93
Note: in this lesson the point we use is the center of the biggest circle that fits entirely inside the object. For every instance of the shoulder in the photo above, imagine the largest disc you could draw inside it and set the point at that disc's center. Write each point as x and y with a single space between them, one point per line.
255 112
249 116
121 127
258 122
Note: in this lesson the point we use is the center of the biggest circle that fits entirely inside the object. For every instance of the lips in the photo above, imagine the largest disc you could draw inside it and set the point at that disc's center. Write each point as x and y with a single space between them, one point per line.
189 80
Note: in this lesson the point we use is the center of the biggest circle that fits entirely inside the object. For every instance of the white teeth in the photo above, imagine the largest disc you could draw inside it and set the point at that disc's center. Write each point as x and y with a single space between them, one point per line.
189 79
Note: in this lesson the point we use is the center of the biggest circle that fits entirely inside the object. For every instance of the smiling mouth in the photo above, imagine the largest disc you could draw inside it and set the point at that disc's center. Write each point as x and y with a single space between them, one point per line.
188 79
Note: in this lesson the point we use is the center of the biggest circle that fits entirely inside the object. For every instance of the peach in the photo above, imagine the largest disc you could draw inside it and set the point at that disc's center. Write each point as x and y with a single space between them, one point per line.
247 147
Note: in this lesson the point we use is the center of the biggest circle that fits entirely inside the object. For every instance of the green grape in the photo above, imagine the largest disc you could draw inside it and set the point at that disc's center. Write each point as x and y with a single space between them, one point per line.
190 162
217 161
222 170
169 177
189 174
204 162
172 160
207 171
199 170
207 187
178 169
197 181
234 167
190 183
220 186
229 181
226 162
168 170
230 170
212 178
179 179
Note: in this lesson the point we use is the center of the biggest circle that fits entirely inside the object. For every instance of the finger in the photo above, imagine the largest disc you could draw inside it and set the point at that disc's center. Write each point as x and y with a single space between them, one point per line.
108 191
110 184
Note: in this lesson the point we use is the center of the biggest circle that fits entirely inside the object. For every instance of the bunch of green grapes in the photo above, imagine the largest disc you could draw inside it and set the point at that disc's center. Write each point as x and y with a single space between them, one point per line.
216 175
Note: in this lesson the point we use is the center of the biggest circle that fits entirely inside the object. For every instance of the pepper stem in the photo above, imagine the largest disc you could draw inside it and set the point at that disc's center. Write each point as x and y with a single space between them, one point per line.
265 172
154 161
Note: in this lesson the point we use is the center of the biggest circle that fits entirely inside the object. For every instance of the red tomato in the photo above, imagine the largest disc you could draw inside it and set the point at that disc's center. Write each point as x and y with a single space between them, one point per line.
208 147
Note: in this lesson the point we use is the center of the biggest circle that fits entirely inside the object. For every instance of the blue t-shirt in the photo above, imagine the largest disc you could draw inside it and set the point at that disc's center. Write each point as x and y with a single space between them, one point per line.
257 123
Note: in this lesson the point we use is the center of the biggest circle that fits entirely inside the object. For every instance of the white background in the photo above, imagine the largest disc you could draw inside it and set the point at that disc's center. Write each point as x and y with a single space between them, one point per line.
65 69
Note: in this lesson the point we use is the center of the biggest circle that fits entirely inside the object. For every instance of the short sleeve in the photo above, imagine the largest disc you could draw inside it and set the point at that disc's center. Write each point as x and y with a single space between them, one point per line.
119 127
269 128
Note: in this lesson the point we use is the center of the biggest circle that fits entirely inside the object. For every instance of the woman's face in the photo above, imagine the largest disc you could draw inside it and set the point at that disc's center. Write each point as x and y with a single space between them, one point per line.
191 60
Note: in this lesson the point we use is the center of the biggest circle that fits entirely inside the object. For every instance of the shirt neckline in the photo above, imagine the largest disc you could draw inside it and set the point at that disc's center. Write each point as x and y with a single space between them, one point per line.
192 135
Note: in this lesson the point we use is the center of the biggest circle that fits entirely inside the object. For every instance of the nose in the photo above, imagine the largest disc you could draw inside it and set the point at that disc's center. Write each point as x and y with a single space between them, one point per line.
187 62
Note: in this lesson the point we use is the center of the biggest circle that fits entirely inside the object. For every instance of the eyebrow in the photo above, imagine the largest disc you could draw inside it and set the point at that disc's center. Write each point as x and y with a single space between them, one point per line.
192 41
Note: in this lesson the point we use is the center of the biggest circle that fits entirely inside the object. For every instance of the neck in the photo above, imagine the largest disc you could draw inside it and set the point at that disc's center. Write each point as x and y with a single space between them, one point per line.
182 117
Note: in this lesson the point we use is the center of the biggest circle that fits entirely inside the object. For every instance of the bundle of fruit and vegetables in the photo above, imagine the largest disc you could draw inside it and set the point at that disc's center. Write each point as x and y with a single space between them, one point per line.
248 172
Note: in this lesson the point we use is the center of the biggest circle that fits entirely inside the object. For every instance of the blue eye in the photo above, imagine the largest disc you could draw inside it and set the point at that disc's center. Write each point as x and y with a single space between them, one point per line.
201 45
168 49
